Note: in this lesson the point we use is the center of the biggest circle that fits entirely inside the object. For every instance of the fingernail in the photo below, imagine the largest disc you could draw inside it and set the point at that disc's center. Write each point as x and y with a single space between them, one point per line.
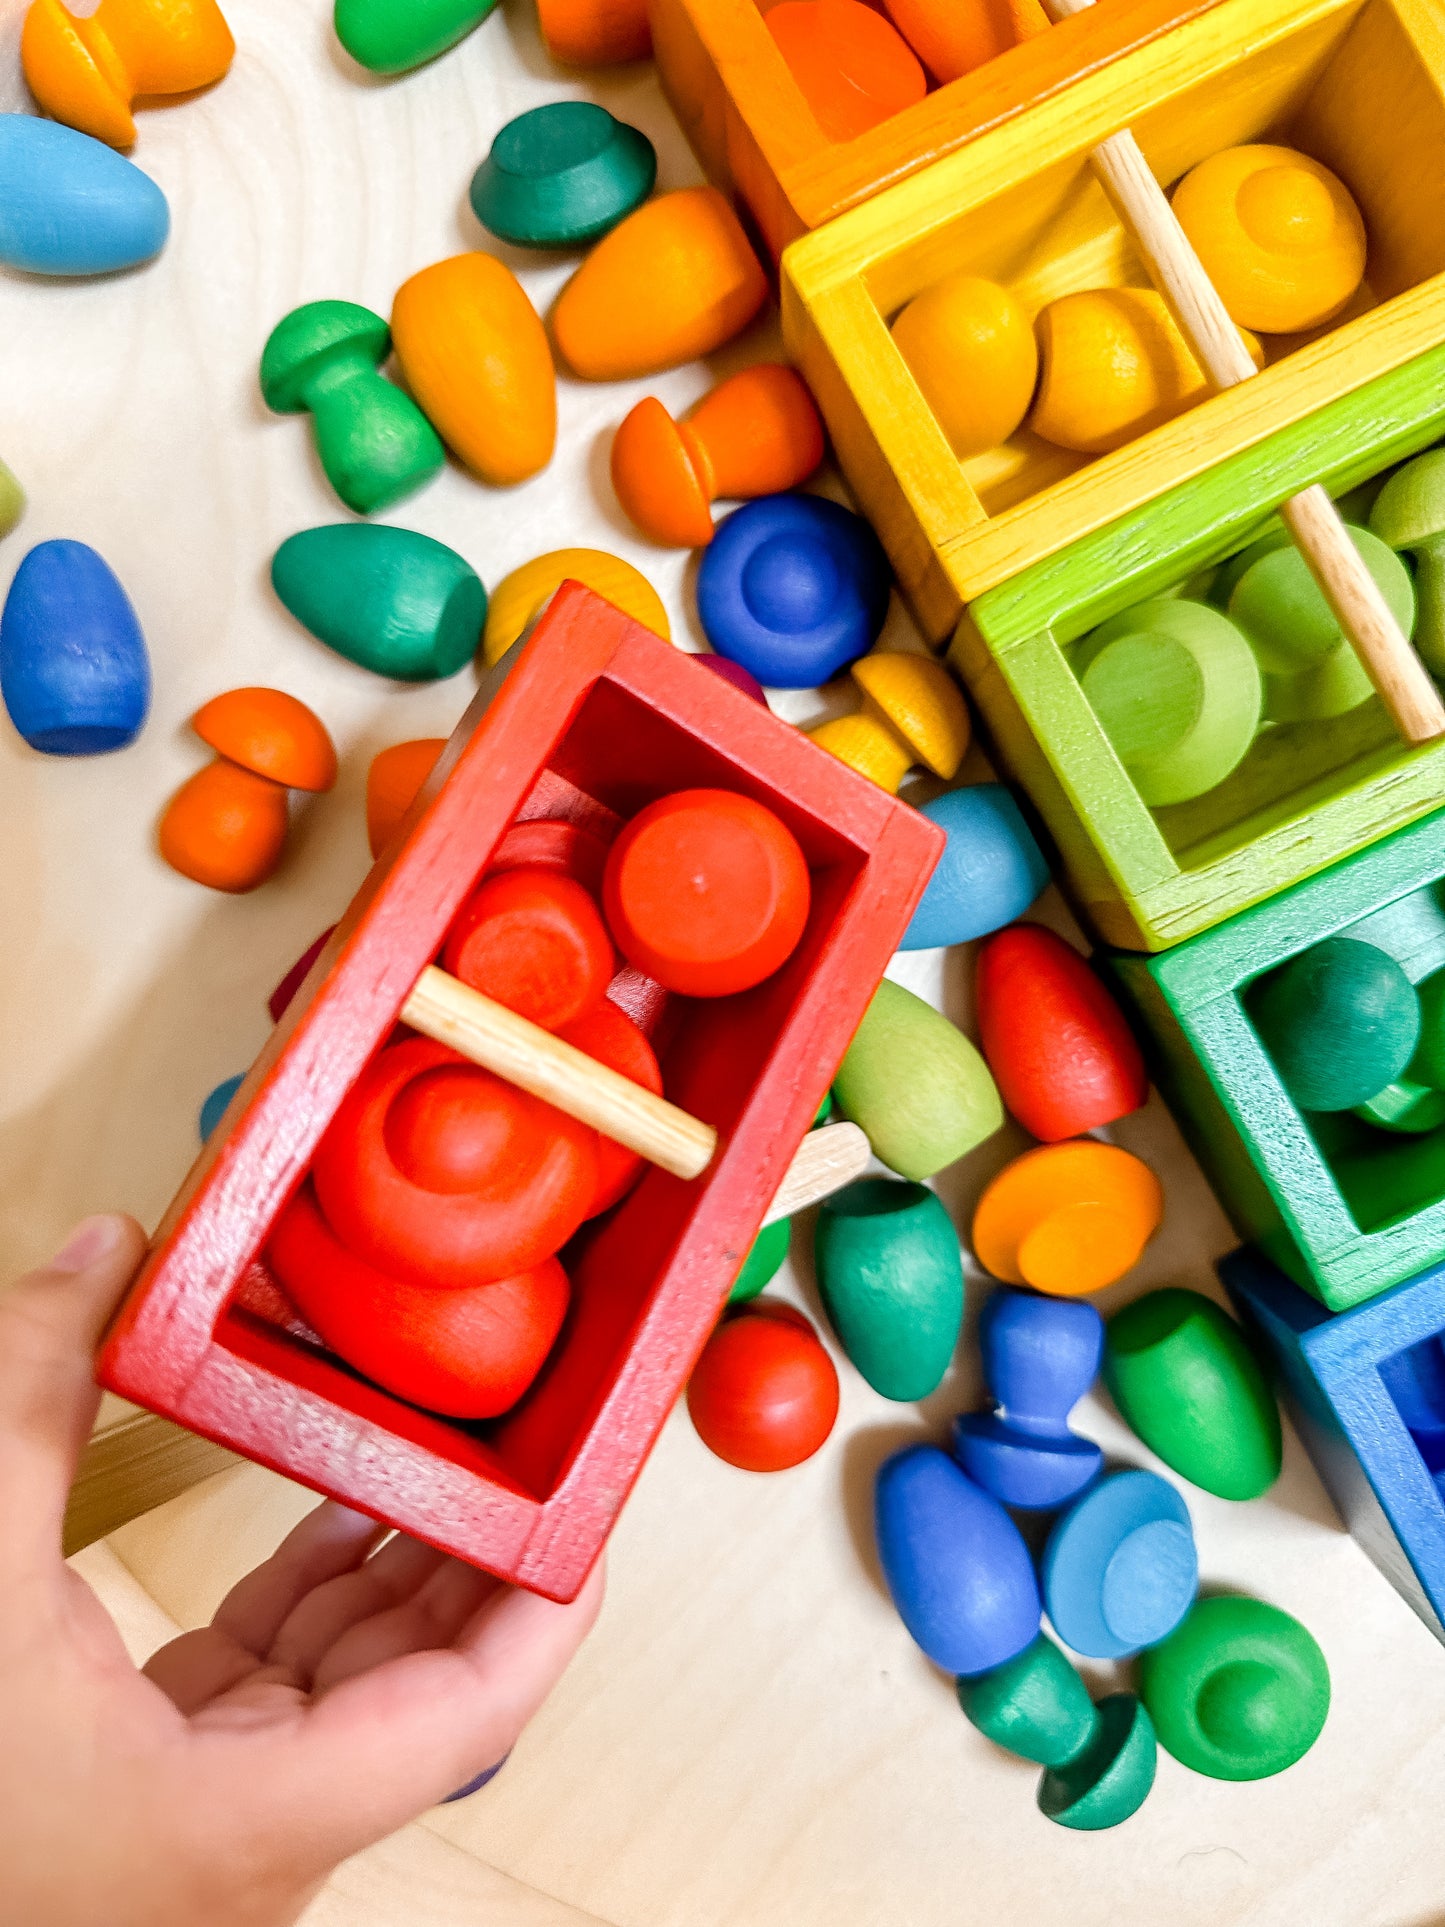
92 1239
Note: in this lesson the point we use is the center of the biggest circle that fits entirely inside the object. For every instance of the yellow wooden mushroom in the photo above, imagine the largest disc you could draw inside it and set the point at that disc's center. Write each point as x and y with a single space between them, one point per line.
519 597
913 712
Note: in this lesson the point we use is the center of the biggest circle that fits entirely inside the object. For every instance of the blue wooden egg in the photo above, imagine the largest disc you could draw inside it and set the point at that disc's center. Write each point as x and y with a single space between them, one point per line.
794 588
475 1786
956 1564
214 1108
72 205
1120 1570
989 874
74 673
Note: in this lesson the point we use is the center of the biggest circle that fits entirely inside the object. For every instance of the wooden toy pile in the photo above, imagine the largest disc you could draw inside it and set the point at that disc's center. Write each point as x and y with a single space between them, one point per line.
521 1156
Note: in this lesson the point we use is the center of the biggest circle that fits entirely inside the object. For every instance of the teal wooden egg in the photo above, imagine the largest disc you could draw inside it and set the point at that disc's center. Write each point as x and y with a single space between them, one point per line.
387 598
1340 1020
891 1276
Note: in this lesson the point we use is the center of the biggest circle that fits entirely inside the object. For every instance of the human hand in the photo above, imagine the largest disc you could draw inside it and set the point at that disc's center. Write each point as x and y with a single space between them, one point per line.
342 1688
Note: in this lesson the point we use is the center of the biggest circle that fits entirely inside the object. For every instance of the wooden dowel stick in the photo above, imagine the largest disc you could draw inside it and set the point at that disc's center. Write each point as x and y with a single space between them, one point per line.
526 1055
826 1160
1313 521
532 1058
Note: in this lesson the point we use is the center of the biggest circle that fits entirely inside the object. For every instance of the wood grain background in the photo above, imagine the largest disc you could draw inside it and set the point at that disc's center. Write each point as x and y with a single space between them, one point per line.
749 1740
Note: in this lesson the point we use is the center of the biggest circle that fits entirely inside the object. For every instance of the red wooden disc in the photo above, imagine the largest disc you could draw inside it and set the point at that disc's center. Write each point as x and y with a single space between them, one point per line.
467 1354
609 1035
706 891
546 844
534 941
459 1180
764 1394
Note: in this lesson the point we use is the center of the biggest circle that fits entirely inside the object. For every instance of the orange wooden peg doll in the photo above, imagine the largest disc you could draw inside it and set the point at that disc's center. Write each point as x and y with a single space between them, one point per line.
89 71
757 433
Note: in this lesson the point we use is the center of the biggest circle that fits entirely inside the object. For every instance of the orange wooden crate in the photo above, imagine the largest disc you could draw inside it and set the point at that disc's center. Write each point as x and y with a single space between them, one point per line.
753 132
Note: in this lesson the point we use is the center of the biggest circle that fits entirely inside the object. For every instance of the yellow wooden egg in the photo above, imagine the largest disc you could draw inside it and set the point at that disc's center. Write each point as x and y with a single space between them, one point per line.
969 346
1279 235
520 596
1114 365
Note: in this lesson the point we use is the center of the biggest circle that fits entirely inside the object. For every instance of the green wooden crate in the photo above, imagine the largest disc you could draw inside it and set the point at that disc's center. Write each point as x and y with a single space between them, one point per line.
1345 1209
1306 795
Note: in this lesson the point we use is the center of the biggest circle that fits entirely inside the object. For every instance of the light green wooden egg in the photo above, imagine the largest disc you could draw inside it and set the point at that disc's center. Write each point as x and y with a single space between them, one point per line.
915 1085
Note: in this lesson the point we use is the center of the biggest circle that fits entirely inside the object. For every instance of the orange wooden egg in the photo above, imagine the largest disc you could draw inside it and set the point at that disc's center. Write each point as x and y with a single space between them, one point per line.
952 37
225 827
757 433
595 33
852 67
392 783
675 280
475 355
271 734
1067 1218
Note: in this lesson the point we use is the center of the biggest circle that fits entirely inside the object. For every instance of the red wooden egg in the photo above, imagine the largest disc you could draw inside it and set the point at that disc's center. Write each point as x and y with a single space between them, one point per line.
609 1035
1064 1059
546 844
707 891
533 940
467 1354
445 1175
279 1002
764 1394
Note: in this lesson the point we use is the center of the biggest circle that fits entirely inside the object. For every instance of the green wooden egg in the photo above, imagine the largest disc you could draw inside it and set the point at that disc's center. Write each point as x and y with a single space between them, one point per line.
562 175
916 1086
1409 513
1238 1690
12 500
890 1273
1178 692
763 1262
390 36
1183 1376
1312 671
1340 1020
389 599
1404 1105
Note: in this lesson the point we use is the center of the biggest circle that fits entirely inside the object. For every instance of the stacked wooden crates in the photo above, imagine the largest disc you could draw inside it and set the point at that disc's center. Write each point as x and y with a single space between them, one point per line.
1012 557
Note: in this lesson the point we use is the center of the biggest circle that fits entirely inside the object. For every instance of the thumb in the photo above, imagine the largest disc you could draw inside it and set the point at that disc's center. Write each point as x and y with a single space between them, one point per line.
50 1324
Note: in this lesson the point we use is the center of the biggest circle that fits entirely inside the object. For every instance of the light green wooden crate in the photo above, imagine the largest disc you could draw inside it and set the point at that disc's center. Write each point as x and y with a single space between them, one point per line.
1306 795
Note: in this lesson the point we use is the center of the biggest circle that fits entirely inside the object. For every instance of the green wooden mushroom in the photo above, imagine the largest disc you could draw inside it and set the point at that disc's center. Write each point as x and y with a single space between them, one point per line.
1409 513
561 175
374 442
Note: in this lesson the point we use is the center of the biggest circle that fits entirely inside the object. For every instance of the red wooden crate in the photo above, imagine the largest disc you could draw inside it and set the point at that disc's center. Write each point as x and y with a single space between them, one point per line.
596 710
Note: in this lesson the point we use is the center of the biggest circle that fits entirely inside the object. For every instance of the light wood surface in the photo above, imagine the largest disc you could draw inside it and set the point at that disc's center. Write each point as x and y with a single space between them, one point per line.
749 1739
1311 518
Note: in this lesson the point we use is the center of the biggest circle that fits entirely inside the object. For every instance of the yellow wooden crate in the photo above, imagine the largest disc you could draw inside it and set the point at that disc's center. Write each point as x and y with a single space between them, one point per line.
1356 83
755 134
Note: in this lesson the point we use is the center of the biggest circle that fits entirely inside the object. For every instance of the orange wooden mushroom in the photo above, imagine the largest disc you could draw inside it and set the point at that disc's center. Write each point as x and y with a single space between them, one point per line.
1067 1218
756 433
226 826
673 281
271 733
87 70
